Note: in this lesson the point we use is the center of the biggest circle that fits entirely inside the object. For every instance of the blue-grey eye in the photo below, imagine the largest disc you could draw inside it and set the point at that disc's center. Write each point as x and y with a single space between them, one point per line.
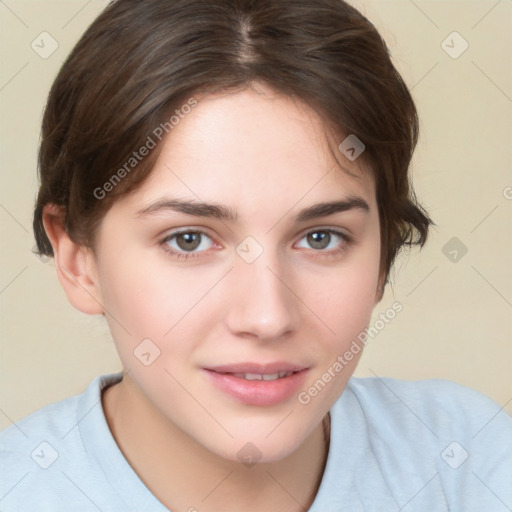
321 239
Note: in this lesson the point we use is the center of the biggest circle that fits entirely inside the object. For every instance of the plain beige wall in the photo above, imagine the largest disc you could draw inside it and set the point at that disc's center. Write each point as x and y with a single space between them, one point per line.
456 318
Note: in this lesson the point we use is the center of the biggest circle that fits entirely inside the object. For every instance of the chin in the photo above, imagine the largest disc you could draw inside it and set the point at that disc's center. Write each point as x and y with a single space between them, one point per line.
249 450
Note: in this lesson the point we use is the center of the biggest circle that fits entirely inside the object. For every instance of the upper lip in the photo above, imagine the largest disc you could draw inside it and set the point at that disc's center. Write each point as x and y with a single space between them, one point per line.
258 368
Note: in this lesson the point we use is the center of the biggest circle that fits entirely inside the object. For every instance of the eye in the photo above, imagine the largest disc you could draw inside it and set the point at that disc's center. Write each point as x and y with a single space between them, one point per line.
323 240
190 243
186 242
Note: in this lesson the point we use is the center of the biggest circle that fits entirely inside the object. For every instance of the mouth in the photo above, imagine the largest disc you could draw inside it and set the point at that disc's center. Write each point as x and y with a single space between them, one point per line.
260 376
258 384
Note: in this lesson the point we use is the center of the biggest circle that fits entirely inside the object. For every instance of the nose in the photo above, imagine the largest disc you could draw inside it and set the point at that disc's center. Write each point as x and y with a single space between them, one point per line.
263 305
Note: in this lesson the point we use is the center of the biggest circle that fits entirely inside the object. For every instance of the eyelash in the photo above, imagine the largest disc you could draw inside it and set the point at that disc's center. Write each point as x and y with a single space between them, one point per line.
346 243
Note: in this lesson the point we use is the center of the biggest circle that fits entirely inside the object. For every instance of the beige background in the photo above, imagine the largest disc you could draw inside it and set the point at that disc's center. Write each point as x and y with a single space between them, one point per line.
456 321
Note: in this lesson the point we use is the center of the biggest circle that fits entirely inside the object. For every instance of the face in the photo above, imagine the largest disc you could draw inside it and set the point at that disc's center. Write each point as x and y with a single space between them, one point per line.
235 277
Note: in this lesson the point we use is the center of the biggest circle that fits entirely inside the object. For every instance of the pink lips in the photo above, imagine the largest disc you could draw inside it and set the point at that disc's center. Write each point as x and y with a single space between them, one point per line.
230 379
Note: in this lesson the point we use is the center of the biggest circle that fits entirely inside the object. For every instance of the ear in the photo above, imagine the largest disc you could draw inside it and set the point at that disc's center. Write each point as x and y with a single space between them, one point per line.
379 293
75 264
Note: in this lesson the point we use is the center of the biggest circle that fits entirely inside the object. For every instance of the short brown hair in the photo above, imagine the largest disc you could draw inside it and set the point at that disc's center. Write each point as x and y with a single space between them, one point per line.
139 61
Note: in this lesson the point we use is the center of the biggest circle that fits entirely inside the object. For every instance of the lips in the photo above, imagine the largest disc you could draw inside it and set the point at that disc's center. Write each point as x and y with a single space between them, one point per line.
258 384
258 368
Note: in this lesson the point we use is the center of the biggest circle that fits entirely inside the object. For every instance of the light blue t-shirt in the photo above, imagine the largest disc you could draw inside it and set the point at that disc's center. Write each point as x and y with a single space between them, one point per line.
403 446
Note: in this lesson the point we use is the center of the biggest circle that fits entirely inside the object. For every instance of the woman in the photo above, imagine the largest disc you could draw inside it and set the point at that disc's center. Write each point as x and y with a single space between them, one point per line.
227 183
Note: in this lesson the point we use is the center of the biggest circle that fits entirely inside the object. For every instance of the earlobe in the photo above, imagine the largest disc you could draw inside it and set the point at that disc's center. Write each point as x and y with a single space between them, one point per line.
75 264
379 293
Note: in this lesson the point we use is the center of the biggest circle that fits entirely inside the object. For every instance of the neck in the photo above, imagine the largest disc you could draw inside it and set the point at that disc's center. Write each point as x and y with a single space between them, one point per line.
185 476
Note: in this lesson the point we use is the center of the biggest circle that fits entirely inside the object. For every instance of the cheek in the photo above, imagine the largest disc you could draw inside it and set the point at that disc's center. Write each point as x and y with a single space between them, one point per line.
159 302
344 298
351 304
149 296
345 307
156 299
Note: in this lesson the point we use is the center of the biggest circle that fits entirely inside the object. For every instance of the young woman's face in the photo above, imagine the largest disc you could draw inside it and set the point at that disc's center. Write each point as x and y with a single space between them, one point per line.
234 278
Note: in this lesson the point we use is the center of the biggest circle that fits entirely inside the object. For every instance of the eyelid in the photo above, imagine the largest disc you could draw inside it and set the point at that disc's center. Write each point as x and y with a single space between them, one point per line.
204 231
188 229
201 230
336 230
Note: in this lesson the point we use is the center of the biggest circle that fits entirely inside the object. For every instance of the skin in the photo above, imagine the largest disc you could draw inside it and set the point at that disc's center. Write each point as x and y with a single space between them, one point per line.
265 157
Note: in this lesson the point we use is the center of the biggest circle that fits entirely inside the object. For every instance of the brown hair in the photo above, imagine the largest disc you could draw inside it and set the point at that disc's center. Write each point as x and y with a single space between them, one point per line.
140 61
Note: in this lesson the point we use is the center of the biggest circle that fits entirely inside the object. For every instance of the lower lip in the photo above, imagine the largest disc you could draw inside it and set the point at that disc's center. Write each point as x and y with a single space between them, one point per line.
258 392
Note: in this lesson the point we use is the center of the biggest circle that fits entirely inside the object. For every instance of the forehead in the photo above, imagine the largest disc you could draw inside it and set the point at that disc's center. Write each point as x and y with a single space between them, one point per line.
253 147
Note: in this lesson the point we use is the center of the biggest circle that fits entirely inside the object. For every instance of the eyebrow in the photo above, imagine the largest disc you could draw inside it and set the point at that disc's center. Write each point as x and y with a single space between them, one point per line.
200 209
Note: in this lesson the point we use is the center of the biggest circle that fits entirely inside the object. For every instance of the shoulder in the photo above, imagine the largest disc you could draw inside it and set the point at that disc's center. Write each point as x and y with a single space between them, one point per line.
442 405
30 450
435 432
50 422
38 451
56 420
